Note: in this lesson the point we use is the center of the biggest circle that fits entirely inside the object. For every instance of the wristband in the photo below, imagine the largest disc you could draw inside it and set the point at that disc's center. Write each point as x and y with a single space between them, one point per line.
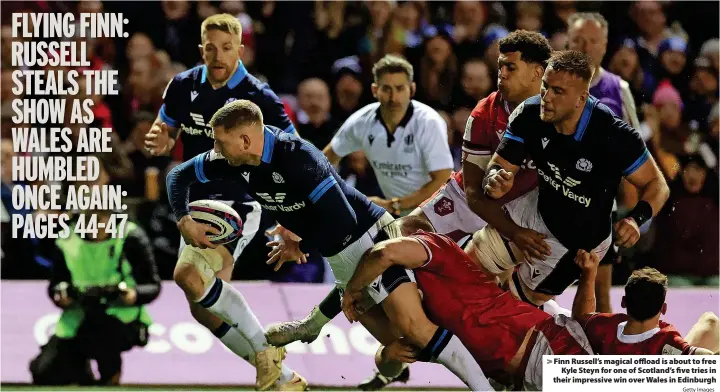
486 179
641 213
396 205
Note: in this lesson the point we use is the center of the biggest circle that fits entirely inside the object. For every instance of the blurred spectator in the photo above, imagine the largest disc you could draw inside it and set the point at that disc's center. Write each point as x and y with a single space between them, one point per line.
314 121
528 15
559 40
139 47
711 50
703 92
469 18
349 91
134 148
626 64
373 42
437 73
492 35
557 19
178 32
475 84
686 245
672 54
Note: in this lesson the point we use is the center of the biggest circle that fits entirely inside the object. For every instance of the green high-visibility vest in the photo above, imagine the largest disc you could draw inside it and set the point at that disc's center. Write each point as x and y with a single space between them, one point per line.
96 264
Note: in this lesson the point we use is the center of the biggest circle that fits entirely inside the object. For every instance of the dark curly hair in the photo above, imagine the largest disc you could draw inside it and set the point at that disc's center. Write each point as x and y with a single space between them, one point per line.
533 46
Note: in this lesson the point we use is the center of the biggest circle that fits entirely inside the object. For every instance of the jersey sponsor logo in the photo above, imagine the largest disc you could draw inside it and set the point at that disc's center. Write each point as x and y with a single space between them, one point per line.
583 165
444 206
193 95
564 184
545 142
277 178
278 198
390 169
199 119
277 201
195 132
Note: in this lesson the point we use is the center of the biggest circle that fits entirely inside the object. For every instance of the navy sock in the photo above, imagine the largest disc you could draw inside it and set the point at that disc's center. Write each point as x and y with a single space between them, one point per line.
437 344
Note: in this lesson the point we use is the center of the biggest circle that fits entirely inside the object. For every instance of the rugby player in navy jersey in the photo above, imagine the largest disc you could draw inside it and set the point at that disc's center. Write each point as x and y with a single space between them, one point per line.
190 100
298 187
581 151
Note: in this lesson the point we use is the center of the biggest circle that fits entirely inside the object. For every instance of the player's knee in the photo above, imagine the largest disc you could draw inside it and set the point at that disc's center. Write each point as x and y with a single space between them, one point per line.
195 270
492 253
204 317
415 327
709 319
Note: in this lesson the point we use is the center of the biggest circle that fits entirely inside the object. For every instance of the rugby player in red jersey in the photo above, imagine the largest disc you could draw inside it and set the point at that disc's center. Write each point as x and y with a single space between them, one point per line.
639 331
506 336
460 208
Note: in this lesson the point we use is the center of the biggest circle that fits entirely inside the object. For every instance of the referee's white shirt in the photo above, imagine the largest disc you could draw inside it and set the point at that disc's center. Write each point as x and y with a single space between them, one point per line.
402 161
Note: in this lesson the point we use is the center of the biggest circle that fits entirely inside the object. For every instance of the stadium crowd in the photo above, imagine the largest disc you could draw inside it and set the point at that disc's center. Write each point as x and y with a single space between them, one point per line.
318 57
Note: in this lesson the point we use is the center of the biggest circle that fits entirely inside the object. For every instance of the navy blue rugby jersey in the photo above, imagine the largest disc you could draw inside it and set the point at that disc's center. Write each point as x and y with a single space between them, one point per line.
190 102
295 184
578 174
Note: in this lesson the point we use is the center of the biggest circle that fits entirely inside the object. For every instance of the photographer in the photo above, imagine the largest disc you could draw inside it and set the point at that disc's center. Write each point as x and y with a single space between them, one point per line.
102 284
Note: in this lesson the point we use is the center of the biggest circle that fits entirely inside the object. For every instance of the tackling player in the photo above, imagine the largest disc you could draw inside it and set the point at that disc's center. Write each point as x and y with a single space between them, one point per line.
506 336
523 55
190 99
581 151
406 143
296 184
640 331
522 60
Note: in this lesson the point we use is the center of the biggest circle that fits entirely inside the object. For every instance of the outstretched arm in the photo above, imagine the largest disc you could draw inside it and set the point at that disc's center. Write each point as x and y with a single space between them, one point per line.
584 303
405 251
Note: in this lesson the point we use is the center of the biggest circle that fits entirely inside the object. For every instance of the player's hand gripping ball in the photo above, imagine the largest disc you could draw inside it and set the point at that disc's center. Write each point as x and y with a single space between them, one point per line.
219 216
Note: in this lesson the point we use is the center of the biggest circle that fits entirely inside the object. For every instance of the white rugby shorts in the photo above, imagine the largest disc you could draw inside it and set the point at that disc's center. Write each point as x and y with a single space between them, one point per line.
344 263
449 213
524 212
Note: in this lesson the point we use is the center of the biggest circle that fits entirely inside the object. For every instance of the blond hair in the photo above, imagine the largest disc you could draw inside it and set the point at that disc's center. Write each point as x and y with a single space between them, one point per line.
222 22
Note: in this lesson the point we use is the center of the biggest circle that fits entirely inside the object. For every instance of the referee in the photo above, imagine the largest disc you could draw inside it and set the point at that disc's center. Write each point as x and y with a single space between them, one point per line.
404 140
407 145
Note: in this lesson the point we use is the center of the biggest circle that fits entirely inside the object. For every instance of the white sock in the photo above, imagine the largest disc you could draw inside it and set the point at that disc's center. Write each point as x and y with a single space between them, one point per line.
222 300
286 375
456 358
233 339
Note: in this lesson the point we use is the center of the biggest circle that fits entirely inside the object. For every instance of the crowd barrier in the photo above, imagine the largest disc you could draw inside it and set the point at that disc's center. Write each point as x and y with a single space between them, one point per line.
182 352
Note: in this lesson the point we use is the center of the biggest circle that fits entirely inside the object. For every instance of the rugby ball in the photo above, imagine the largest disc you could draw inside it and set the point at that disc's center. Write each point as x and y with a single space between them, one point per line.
220 216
